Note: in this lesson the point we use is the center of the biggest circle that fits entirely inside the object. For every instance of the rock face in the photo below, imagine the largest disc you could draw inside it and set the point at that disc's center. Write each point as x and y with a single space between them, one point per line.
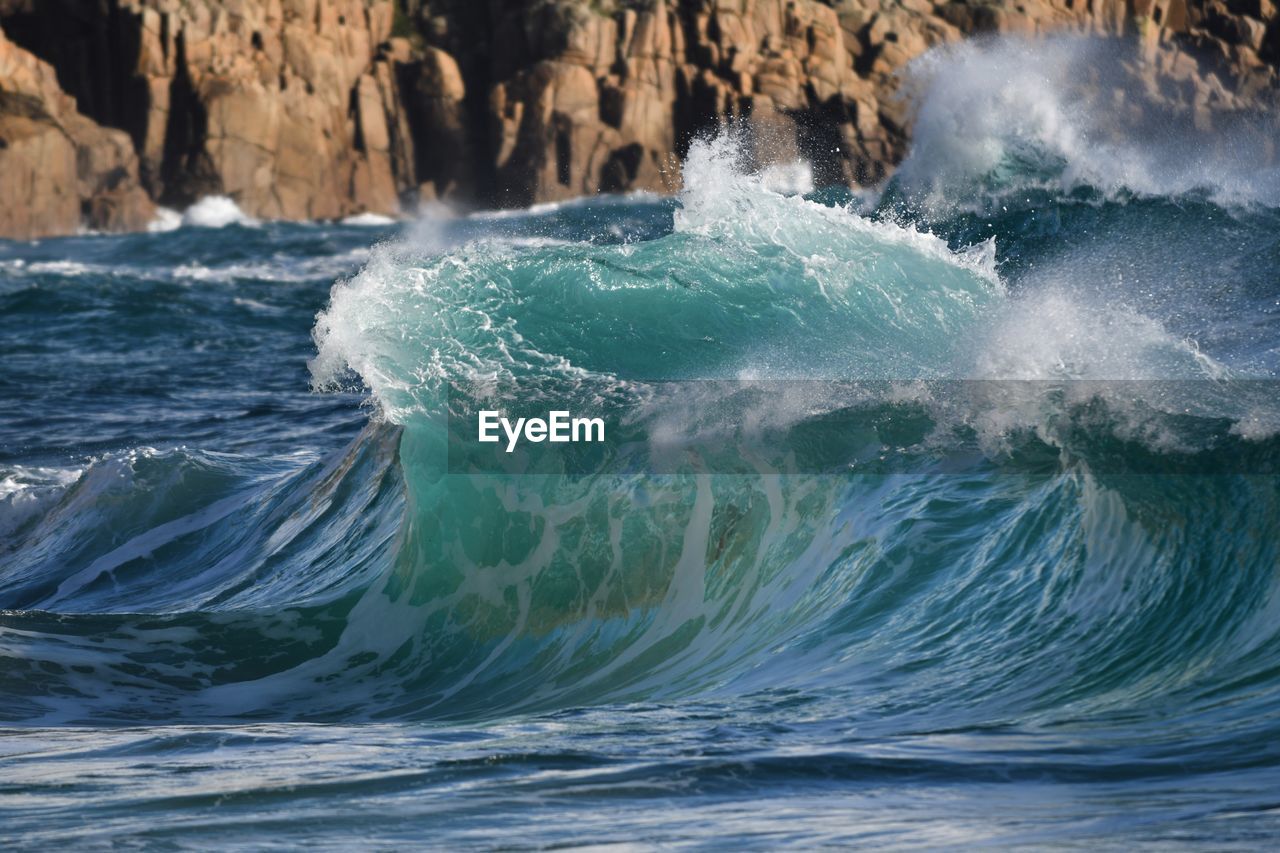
606 96
57 167
302 109
280 104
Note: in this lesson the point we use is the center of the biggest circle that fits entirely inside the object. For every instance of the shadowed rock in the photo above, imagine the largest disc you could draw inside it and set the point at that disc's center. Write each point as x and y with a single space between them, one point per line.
59 169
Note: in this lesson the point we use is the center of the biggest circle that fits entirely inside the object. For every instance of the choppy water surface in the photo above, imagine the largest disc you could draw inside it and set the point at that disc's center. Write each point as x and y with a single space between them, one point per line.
246 599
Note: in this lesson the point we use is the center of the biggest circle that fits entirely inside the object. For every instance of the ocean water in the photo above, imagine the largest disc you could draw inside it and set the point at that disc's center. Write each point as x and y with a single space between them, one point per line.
970 535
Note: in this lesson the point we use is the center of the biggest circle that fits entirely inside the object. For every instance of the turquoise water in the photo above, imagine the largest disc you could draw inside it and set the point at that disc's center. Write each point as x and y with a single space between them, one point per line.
1003 572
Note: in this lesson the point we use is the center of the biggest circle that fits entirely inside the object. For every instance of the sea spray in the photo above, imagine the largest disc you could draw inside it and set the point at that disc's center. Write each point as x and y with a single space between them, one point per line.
215 211
1068 113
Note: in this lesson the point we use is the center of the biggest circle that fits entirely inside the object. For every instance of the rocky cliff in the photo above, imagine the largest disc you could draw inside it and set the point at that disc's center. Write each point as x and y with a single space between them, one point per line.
304 109
59 169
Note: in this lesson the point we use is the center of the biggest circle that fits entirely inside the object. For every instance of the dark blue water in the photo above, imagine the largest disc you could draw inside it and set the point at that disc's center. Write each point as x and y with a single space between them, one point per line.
248 599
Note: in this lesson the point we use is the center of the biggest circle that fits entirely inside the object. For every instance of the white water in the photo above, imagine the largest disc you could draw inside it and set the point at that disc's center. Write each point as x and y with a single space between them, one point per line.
216 211
1066 110
369 220
166 220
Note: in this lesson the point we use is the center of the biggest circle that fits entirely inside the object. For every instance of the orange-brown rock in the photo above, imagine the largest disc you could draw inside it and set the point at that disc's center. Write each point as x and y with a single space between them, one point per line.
59 171
287 106
321 108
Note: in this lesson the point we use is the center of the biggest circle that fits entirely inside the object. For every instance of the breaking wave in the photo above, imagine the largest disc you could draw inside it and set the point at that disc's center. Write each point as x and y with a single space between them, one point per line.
979 555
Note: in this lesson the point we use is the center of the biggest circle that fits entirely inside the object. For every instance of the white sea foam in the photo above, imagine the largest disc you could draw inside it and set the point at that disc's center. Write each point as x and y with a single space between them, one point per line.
73 269
370 220
216 211
21 268
722 195
280 269
547 207
27 492
165 220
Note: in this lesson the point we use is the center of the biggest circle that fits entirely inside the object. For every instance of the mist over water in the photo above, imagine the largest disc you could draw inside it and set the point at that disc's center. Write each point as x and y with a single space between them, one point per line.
996 118
1035 603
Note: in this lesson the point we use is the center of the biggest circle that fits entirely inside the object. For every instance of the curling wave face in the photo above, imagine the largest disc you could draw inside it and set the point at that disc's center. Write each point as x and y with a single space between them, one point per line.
1052 514
427 592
